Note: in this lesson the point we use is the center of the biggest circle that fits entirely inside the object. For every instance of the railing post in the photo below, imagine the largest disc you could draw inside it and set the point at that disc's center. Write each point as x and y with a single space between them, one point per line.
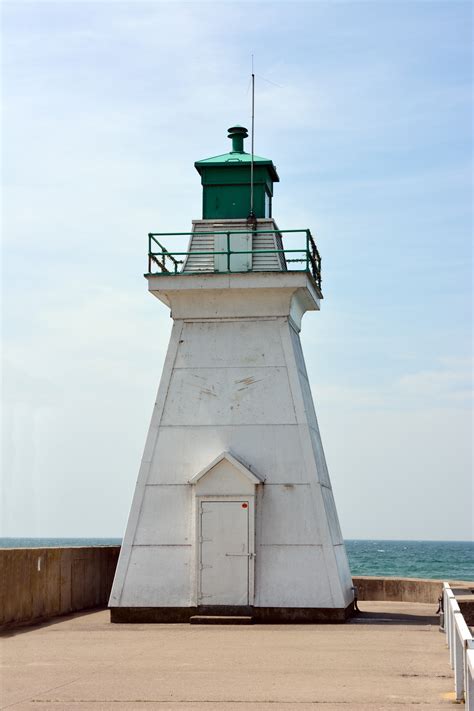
307 250
228 251
444 603
453 611
449 595
470 678
463 643
458 660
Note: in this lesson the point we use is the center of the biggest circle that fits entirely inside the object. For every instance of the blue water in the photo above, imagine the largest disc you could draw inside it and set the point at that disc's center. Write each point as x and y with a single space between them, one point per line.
57 542
447 560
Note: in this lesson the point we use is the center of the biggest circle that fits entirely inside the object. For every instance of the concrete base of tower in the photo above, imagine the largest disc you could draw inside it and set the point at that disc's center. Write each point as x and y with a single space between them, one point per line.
261 615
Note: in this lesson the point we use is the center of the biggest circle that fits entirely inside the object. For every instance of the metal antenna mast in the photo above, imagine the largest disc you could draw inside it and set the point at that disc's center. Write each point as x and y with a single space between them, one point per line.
252 214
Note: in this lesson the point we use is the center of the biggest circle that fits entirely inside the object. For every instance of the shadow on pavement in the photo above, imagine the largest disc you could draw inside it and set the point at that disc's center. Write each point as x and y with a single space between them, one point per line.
393 618
41 624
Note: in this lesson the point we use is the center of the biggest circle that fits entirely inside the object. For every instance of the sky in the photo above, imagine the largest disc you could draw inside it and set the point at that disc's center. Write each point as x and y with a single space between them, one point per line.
366 110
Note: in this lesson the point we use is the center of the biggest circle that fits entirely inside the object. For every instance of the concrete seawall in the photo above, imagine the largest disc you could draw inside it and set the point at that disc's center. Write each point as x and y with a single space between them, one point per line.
401 589
39 583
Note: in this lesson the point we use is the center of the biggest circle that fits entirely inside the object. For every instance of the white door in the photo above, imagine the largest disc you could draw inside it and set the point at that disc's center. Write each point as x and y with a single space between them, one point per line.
238 262
224 553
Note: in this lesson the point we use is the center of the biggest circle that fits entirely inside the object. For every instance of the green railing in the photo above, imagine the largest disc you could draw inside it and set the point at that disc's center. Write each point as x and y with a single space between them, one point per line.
307 256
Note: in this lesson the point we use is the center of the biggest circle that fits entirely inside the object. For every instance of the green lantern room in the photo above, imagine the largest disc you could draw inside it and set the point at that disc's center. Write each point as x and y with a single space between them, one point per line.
226 181
228 238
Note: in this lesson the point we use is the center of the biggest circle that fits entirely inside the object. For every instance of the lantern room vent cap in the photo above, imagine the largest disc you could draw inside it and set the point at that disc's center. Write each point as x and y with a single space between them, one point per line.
237 135
237 156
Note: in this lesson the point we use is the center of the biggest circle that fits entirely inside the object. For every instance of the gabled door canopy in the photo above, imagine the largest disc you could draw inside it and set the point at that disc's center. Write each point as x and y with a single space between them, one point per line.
240 466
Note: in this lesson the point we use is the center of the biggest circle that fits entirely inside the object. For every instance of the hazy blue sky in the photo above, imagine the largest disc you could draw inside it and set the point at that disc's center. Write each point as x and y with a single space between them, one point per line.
106 107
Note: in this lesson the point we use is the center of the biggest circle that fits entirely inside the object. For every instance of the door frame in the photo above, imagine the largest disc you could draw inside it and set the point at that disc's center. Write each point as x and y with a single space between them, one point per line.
250 499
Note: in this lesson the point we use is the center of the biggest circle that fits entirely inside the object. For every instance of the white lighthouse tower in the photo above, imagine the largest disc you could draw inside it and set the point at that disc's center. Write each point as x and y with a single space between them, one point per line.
233 512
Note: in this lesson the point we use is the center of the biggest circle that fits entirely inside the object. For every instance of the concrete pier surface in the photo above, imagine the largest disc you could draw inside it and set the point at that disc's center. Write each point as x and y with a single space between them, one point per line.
390 657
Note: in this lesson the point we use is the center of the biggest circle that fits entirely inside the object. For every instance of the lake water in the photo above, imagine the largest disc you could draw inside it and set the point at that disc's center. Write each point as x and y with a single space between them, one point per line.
450 560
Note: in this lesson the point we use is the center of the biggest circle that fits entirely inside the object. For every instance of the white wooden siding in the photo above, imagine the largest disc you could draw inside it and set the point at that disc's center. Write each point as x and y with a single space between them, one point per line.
268 262
200 243
203 240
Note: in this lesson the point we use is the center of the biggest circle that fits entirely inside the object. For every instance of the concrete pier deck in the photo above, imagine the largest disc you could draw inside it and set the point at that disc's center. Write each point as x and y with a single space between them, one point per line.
391 657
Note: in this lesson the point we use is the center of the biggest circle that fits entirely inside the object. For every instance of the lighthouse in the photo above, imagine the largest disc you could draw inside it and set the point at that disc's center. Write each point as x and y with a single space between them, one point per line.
233 514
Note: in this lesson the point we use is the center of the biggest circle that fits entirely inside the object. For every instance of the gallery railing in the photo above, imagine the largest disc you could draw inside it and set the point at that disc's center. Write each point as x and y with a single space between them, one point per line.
162 261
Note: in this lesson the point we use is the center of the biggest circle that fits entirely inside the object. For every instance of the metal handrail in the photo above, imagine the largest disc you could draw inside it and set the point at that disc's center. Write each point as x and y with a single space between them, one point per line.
223 232
309 253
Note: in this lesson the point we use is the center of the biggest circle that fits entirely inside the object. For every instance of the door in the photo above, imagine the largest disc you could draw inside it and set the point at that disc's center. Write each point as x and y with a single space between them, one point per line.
238 262
225 557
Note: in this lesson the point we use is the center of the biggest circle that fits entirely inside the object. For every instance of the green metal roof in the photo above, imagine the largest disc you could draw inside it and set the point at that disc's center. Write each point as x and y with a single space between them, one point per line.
236 157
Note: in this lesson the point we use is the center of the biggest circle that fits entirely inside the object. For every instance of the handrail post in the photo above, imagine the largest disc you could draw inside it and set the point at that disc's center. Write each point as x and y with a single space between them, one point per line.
463 642
458 659
453 611
447 615
469 678
444 609
452 629
307 250
228 251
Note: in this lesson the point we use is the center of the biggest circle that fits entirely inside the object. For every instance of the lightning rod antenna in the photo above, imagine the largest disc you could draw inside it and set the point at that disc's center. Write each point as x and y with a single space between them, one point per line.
252 219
